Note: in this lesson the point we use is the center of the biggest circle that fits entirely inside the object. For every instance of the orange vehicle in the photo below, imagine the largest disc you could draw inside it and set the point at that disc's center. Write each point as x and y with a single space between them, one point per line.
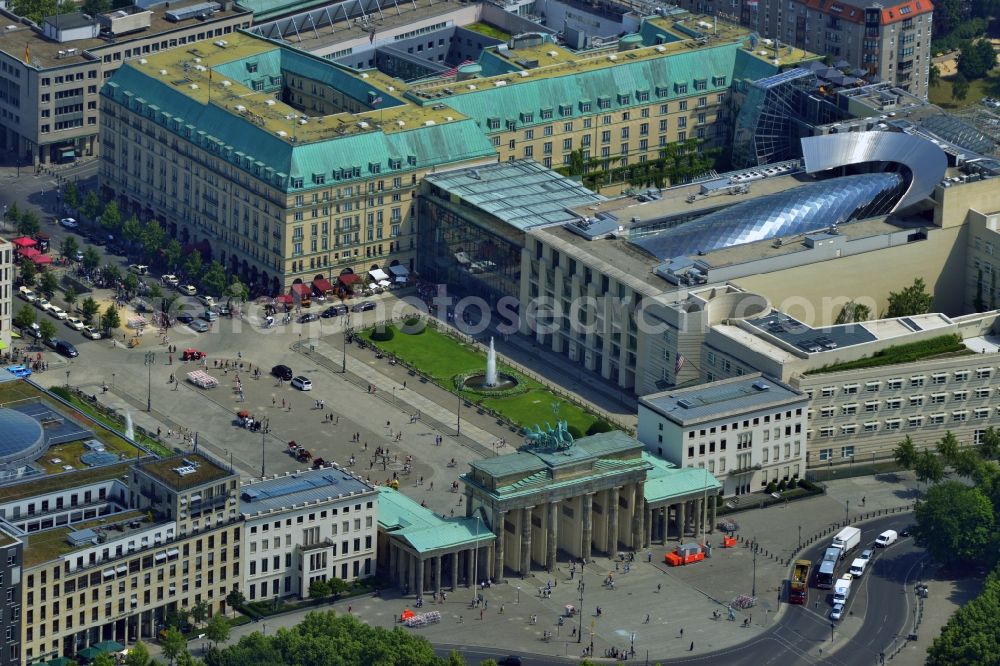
798 585
687 553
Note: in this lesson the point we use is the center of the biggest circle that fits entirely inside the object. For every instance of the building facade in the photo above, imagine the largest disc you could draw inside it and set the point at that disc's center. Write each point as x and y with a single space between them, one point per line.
50 76
111 550
6 291
889 40
11 563
748 430
305 526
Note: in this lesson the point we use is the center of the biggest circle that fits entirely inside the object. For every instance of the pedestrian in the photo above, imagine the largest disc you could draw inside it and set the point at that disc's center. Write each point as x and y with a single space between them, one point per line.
682 632
691 649
658 586
480 614
273 400
349 610
501 609
647 619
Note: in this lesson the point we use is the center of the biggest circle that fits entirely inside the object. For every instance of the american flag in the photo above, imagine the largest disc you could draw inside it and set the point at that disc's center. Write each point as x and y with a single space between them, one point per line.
678 364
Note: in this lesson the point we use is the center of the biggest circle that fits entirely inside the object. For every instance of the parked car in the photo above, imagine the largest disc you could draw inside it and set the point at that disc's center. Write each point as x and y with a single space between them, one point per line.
207 301
192 354
27 294
363 306
198 326
43 304
138 269
302 383
210 315
185 318
169 280
75 323
334 311
308 317
33 331
282 372
837 612
78 256
19 370
187 289
58 312
92 333
69 223
63 347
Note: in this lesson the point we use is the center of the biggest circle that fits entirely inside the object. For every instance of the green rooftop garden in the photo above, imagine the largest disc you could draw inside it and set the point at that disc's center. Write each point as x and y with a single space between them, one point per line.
944 345
489 31
445 360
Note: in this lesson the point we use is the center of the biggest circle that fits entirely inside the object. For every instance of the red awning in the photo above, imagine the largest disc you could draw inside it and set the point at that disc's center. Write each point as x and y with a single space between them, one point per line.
322 286
42 259
301 289
284 298
348 278
28 252
24 241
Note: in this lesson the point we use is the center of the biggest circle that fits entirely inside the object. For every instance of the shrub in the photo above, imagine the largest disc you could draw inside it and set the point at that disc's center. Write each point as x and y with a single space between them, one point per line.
574 431
382 333
782 486
599 426
805 485
413 326
793 483
771 487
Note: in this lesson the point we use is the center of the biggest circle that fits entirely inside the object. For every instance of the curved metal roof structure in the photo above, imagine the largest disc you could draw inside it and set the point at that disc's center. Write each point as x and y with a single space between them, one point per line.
21 437
799 210
925 161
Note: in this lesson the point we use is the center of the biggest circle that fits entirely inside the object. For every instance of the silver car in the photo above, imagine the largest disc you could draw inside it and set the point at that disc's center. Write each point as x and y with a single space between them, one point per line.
198 326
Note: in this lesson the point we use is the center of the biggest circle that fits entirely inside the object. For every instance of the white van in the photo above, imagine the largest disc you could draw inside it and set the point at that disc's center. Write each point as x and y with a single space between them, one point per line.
858 567
886 539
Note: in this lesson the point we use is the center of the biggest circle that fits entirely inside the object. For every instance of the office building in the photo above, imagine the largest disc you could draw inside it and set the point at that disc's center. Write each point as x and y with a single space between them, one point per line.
747 431
50 75
882 41
304 526
11 564
6 291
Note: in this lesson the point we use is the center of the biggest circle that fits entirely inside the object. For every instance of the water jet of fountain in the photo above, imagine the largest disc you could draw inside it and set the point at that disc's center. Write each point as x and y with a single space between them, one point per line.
491 366
129 430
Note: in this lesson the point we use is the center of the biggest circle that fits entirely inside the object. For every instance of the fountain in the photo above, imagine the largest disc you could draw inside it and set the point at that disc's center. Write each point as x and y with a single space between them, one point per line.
129 430
491 366
491 380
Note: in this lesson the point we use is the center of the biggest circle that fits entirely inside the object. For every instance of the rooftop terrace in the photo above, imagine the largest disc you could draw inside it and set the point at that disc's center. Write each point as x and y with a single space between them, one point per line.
44 546
199 471
298 488
716 400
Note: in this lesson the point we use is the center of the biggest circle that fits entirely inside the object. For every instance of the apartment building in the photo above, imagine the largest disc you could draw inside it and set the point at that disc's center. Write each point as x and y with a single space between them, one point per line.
288 167
888 40
50 75
6 291
11 563
110 550
746 431
304 526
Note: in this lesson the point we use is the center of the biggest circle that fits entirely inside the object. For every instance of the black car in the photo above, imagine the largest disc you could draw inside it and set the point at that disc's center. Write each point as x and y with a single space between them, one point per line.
510 660
329 312
308 317
363 306
63 347
282 372
185 318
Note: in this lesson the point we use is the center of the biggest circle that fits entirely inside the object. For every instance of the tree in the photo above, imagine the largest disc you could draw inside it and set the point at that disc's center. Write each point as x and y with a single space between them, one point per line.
178 618
976 59
928 468
69 295
235 599
131 229
912 300
131 283
199 612
110 319
959 87
948 448
25 317
28 225
111 274
89 308
155 291
103 659
238 290
989 444
972 635
853 312
214 279
905 453
71 193
193 266
91 205
13 214
27 271
91 258
954 522
186 659
138 655
336 586
934 76
48 283
69 247
173 644
318 589
153 237
217 630
172 252
967 463
111 218
47 329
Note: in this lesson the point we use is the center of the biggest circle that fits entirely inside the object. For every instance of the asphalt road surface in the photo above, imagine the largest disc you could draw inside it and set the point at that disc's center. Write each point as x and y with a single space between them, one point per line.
883 597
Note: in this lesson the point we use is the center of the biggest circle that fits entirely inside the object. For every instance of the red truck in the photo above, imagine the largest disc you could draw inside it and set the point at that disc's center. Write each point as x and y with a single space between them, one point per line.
798 584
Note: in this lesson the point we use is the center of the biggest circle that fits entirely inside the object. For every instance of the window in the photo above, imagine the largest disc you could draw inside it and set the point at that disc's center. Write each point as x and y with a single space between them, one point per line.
983 392
850 389
872 387
871 406
849 429
915 421
850 409
871 426
960 416
916 400
828 391
917 382
939 378
826 431
894 384
937 398
983 373
825 454
892 424
962 375
847 452
981 413
935 419
893 403
827 412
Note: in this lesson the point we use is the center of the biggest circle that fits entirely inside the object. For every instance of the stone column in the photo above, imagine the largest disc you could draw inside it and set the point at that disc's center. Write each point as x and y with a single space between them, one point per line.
552 537
437 574
392 564
698 516
587 501
526 540
612 522
412 570
498 531
647 527
469 566
456 560
712 501
704 515
638 507
679 509
419 590
664 517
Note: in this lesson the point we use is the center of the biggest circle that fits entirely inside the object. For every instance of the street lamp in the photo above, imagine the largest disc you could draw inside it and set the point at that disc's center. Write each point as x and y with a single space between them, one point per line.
67 379
800 537
579 634
458 426
847 511
753 592
518 595
150 359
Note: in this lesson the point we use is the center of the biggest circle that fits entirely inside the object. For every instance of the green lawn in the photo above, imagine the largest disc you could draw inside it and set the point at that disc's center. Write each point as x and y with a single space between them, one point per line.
489 31
940 93
443 358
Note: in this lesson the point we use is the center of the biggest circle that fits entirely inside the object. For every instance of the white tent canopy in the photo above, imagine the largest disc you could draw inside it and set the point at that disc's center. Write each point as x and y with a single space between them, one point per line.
378 274
399 270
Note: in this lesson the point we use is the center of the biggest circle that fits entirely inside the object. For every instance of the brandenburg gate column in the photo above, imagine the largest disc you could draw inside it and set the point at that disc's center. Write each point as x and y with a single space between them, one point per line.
638 500
526 540
587 501
612 521
498 531
552 536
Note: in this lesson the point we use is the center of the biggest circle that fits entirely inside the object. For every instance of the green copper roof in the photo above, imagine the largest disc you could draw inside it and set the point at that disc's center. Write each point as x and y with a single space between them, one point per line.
585 449
423 529
664 481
